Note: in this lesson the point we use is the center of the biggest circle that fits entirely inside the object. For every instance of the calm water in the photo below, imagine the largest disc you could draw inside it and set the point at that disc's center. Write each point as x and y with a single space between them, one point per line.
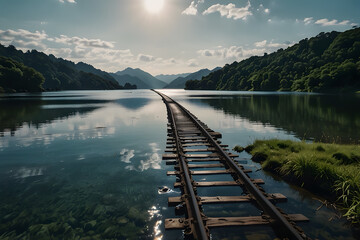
88 163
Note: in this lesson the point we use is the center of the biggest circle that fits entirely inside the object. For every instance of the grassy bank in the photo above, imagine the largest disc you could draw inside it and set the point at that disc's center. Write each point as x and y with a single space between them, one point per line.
330 170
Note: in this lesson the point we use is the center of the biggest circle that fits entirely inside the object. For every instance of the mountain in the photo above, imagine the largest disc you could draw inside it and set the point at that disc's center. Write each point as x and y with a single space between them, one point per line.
327 62
81 66
123 79
61 74
147 78
168 78
179 82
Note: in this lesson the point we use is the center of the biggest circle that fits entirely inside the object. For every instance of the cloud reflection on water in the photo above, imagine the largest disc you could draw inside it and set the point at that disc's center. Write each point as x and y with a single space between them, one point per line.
152 162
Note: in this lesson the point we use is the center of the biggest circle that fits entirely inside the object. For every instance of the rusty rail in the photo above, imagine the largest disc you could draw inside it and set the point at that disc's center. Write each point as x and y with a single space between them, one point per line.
196 223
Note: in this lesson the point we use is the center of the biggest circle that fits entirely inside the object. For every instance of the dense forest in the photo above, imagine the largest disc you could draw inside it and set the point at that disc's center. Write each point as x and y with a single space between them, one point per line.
327 62
15 76
59 74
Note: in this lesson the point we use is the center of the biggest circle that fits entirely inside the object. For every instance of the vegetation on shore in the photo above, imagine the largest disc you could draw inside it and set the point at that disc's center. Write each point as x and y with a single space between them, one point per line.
58 73
327 62
330 170
15 76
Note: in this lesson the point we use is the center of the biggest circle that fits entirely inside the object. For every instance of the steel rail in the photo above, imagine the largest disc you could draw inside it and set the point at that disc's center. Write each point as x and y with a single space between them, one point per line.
200 229
279 221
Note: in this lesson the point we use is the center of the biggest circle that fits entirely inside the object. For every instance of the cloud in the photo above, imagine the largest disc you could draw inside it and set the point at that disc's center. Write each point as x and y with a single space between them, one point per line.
192 63
191 10
146 58
83 42
334 22
237 53
230 11
9 35
232 52
24 39
260 44
69 1
326 22
308 20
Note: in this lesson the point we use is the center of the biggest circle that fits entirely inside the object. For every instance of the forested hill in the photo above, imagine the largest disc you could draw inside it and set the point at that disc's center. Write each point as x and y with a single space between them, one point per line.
327 62
61 74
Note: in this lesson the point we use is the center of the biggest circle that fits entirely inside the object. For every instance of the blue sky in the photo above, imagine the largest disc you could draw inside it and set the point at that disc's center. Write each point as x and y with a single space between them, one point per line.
167 36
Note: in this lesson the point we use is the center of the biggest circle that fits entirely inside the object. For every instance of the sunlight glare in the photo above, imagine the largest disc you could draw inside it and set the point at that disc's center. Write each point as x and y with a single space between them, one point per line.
154 6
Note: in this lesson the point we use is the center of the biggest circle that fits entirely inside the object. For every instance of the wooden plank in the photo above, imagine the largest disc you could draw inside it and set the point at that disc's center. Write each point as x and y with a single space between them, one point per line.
215 172
173 201
198 144
192 138
200 150
220 183
208 155
204 160
194 141
169 156
206 165
180 223
210 172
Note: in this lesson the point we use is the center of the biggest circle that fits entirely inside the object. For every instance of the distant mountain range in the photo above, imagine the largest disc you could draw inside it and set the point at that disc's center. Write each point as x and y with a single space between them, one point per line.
168 78
179 82
144 80
61 74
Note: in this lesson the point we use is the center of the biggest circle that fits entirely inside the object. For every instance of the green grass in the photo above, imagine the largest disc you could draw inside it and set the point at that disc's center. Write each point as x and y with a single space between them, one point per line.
330 170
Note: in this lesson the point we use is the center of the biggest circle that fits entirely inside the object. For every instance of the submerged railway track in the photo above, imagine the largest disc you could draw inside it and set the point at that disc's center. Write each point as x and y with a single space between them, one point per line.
193 145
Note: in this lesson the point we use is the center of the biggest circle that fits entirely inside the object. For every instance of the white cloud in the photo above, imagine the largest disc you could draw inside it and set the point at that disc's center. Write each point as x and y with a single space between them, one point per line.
83 42
334 22
23 39
9 35
230 11
191 10
260 44
308 20
232 52
69 1
237 53
146 58
326 22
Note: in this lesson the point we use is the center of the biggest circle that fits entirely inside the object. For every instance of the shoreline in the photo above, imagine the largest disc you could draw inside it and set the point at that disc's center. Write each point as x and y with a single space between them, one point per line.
328 170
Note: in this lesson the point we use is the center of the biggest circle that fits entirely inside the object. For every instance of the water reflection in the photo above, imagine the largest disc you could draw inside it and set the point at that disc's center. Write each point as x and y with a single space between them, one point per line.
66 161
316 117
14 114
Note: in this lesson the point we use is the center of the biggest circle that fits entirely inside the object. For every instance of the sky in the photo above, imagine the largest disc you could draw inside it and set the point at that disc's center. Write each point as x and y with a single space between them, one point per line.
168 36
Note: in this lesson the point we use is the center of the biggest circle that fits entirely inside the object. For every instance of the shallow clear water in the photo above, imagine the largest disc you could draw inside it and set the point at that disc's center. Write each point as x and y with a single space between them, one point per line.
88 163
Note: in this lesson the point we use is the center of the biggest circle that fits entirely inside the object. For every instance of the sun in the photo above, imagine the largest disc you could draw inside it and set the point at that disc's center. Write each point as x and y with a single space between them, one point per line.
154 6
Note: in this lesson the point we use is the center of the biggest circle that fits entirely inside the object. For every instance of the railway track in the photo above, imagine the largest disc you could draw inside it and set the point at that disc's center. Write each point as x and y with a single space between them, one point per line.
192 147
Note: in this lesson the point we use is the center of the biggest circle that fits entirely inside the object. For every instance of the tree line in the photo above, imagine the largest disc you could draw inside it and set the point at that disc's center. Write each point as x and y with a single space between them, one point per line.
34 71
328 62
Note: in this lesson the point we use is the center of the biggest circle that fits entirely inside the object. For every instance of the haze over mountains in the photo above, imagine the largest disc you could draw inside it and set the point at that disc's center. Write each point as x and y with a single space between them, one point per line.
61 74
168 78
144 80
179 82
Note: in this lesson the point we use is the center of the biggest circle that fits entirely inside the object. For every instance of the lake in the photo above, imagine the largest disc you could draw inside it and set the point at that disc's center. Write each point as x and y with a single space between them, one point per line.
88 163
